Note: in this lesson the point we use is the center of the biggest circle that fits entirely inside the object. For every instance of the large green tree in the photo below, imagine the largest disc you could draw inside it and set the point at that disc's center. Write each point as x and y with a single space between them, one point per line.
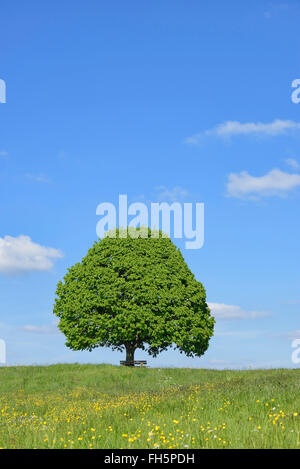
134 293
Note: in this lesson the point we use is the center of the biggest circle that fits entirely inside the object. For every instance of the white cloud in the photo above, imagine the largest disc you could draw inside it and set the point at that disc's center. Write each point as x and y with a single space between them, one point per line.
292 163
275 182
232 128
216 361
231 312
37 178
41 329
176 193
3 153
289 334
20 254
247 334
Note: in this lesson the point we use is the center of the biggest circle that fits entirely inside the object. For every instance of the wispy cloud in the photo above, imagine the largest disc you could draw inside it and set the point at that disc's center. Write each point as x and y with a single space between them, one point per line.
20 254
52 329
232 312
275 8
218 362
245 334
41 178
173 194
3 153
292 163
234 128
289 334
274 183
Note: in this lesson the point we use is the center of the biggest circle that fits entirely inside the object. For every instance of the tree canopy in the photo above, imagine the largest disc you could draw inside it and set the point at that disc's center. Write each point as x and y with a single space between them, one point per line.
134 293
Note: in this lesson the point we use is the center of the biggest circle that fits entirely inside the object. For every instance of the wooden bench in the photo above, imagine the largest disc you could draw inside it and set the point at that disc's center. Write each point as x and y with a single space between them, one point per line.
134 363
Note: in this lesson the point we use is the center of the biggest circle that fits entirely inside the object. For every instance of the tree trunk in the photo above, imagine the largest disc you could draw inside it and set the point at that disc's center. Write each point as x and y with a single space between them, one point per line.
130 349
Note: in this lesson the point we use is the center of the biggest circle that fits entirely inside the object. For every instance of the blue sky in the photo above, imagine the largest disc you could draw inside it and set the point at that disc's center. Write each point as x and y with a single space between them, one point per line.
185 100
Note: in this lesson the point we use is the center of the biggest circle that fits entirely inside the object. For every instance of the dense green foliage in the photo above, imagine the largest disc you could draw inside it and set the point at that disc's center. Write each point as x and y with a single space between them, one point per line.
134 293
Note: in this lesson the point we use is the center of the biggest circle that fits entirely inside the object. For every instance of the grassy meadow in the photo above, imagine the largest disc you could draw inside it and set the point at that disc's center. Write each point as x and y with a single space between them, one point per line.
103 406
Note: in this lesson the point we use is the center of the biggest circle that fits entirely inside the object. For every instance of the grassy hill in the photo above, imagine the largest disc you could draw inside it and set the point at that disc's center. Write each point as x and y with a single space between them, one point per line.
102 406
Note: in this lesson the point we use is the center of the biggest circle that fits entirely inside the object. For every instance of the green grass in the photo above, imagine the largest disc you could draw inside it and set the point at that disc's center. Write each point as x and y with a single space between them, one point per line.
102 406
